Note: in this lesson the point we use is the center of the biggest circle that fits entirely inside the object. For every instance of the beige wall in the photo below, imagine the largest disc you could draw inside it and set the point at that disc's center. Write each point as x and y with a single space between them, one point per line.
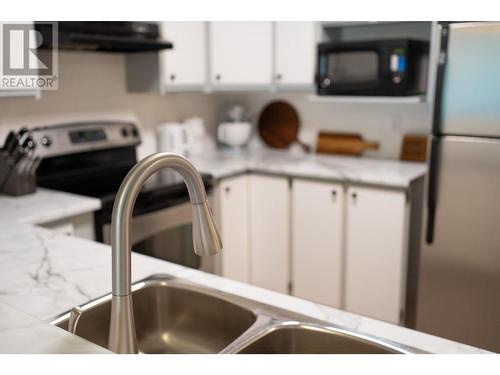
385 123
94 85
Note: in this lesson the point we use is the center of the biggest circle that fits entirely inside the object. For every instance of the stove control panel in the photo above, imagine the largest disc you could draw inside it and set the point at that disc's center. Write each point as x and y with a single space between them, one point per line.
87 135
73 138
46 141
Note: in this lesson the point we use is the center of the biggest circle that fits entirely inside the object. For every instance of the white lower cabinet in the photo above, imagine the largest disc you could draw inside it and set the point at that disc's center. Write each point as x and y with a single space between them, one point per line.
340 246
317 229
376 250
269 209
253 213
234 218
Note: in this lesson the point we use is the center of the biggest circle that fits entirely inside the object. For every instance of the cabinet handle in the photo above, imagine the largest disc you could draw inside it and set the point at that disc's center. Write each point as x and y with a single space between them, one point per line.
172 77
217 77
227 189
278 77
354 197
334 195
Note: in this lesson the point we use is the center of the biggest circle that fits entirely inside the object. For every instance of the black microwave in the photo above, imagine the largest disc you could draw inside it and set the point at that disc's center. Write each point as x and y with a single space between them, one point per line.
396 67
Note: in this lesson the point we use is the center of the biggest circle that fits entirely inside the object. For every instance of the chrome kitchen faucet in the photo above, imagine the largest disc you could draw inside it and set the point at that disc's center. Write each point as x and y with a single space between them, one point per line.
206 239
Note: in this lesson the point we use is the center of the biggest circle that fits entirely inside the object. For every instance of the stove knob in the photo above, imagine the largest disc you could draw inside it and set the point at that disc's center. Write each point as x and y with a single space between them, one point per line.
124 132
46 141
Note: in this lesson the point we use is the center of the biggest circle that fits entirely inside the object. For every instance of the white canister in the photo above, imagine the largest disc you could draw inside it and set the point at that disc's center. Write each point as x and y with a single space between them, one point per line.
196 135
172 137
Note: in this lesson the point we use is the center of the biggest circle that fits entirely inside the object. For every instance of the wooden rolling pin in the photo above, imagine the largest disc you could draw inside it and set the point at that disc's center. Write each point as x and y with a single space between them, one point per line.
343 143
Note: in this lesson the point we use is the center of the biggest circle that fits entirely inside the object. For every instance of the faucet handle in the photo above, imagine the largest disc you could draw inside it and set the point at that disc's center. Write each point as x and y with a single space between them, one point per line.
206 238
74 317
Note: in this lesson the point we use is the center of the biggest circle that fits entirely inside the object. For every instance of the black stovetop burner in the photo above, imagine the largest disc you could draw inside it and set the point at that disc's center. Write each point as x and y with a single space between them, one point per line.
155 195
100 173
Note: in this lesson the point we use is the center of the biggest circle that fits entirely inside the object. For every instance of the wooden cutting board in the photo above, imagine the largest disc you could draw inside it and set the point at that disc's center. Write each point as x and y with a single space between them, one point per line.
343 143
279 125
414 147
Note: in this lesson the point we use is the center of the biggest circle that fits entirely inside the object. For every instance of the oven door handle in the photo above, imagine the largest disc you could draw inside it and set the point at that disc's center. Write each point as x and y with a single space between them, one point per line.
151 223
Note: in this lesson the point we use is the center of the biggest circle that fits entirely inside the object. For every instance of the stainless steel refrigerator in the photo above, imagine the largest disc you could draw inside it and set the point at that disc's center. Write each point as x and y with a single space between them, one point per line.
459 275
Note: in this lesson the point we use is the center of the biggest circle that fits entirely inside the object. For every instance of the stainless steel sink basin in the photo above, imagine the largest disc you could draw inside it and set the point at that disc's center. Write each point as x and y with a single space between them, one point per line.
169 318
313 339
176 316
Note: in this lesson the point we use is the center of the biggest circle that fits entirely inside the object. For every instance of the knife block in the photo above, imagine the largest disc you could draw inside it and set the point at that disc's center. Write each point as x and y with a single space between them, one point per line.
13 181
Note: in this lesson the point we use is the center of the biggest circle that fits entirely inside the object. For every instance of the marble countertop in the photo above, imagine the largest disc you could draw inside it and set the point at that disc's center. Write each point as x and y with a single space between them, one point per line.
45 206
45 274
20 333
295 163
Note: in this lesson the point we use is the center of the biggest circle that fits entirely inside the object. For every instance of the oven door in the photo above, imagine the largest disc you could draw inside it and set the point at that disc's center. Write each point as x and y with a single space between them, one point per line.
166 234
349 70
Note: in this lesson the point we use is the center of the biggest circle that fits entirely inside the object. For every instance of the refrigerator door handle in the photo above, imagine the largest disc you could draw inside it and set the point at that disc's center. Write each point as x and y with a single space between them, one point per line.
440 72
436 131
432 189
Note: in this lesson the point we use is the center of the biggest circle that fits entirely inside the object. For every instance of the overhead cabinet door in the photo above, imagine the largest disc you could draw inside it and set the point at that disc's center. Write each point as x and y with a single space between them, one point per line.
295 47
185 64
240 54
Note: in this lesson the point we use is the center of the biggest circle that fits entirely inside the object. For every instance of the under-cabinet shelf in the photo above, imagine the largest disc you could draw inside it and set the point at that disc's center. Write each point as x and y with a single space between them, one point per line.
413 99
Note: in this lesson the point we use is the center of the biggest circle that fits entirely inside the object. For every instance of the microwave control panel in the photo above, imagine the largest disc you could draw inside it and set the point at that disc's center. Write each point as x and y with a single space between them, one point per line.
397 65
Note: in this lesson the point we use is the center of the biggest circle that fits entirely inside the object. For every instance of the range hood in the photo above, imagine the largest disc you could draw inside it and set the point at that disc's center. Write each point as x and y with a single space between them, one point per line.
104 36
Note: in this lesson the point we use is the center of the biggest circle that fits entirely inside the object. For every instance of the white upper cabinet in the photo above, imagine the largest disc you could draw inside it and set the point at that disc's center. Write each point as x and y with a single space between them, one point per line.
228 56
295 46
240 54
376 253
185 64
317 229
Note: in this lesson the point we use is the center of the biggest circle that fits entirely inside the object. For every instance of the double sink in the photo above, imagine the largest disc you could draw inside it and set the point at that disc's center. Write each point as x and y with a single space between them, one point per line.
177 316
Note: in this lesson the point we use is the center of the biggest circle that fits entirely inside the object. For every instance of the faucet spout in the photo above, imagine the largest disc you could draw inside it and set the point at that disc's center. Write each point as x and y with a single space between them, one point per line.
206 239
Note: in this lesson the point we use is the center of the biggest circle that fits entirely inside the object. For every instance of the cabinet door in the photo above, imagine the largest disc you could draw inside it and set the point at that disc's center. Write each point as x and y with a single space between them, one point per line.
233 217
185 64
295 47
376 253
269 232
317 210
240 53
